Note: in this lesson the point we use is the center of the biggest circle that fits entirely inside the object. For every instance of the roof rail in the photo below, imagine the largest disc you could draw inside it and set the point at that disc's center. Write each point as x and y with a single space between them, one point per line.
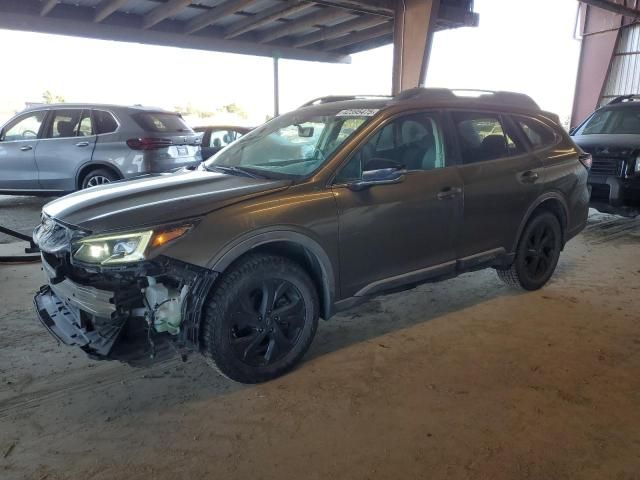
624 98
340 98
489 96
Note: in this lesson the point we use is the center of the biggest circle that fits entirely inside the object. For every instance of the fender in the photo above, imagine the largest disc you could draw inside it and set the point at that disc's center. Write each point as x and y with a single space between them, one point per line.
542 198
96 163
245 243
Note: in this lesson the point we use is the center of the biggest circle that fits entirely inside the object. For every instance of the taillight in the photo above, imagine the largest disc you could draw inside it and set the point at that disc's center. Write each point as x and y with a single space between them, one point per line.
586 159
148 143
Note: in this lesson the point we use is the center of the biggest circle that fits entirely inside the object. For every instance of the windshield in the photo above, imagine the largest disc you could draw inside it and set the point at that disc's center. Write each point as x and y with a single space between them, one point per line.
291 146
613 121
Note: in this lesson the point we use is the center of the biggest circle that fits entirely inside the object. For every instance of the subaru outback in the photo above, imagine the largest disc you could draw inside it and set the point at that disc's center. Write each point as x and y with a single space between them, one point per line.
312 213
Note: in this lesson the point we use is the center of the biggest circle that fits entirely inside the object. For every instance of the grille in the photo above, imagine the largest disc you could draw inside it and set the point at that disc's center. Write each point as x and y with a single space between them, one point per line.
605 166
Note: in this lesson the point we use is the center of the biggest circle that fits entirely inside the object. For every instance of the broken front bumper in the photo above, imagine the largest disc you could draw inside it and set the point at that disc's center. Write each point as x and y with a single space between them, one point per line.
64 320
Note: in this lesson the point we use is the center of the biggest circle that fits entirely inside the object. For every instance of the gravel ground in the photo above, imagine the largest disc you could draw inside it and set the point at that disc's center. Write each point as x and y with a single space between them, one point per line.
462 379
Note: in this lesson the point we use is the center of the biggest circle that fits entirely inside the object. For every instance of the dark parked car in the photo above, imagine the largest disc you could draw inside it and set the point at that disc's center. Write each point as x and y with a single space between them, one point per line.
612 136
215 139
314 212
55 149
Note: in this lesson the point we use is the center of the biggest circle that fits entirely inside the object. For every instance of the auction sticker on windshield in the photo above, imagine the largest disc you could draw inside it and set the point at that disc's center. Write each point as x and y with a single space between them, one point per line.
358 112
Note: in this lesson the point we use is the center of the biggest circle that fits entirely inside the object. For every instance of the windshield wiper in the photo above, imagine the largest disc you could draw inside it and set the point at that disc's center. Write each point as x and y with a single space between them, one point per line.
235 171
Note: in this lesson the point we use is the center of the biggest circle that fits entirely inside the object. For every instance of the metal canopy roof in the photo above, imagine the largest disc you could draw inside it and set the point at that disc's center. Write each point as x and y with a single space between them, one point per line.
321 30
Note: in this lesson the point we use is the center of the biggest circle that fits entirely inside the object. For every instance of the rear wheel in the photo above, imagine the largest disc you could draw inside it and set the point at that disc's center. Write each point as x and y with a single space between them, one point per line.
537 254
99 176
260 319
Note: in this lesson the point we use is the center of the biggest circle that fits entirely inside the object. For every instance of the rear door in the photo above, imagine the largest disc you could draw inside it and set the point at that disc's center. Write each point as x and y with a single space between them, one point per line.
18 142
68 144
501 180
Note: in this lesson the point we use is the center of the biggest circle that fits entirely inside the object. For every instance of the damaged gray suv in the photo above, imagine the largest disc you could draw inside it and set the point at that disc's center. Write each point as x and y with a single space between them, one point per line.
312 213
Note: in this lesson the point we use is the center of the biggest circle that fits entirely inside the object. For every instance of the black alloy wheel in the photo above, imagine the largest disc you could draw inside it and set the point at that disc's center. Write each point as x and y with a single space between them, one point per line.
537 253
260 318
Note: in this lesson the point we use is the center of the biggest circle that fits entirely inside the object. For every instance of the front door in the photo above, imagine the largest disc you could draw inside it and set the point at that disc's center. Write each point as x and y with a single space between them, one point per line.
18 142
403 232
68 144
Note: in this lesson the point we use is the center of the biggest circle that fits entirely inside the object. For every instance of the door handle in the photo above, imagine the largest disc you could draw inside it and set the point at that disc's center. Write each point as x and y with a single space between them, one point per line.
529 176
448 193
26 148
82 144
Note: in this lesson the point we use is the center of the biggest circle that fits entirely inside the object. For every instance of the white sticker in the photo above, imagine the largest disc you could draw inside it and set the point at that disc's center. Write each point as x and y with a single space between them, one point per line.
358 112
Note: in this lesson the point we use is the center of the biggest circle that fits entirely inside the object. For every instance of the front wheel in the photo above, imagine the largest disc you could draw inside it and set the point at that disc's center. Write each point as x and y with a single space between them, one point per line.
260 319
537 254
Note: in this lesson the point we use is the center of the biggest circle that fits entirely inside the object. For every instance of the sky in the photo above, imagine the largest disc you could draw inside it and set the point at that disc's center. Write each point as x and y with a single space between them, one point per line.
520 46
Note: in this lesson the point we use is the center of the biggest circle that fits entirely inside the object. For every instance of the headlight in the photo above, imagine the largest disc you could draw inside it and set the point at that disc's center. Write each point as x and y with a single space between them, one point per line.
126 247
636 168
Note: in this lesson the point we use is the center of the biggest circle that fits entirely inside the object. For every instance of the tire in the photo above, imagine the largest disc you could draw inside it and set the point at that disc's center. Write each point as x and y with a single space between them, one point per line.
260 319
537 254
99 176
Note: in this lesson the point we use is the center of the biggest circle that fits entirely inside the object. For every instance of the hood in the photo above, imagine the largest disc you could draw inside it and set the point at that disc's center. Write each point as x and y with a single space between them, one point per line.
619 145
156 200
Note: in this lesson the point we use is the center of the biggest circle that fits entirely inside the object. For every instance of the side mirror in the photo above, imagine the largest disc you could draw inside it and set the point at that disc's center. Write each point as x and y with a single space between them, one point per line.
383 176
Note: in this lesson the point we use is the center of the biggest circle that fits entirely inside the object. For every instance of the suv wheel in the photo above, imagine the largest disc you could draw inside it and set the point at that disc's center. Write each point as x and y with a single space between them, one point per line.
537 254
98 177
260 319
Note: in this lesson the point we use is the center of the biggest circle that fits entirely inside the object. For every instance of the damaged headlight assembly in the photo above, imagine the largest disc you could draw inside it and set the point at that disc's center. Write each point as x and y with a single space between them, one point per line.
127 247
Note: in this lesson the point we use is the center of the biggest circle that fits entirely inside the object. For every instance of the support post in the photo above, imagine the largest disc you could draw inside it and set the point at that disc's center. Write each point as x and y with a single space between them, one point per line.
414 26
276 88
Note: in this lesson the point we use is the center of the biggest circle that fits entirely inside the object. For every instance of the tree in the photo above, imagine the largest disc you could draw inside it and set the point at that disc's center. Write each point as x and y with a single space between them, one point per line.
49 97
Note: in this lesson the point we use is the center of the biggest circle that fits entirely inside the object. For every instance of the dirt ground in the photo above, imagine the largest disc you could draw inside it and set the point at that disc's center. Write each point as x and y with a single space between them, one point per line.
462 379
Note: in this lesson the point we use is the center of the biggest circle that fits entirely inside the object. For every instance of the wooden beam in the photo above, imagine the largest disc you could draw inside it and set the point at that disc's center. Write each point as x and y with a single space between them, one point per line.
613 7
358 37
302 23
74 23
164 11
47 7
385 8
368 45
106 8
338 30
264 17
223 10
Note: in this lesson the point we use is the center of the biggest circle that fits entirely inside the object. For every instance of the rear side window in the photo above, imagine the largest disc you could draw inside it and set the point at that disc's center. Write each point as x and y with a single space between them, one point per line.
538 134
161 122
104 122
484 136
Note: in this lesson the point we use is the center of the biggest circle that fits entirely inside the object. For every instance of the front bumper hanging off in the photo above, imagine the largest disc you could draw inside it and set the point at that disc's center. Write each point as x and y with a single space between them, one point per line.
64 321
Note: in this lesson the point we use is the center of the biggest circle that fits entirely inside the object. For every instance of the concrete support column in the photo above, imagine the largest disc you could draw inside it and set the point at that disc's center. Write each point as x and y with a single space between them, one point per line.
414 26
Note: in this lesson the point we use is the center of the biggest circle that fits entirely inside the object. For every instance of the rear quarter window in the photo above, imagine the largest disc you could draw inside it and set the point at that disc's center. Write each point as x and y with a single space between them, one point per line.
104 122
538 134
161 122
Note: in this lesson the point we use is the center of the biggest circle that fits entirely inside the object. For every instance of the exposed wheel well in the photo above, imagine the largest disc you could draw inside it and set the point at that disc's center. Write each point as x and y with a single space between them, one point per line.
91 167
303 257
554 206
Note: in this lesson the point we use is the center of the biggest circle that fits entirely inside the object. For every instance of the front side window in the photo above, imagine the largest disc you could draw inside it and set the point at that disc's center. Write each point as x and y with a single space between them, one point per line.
24 128
483 136
64 124
539 135
412 142
624 120
294 145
